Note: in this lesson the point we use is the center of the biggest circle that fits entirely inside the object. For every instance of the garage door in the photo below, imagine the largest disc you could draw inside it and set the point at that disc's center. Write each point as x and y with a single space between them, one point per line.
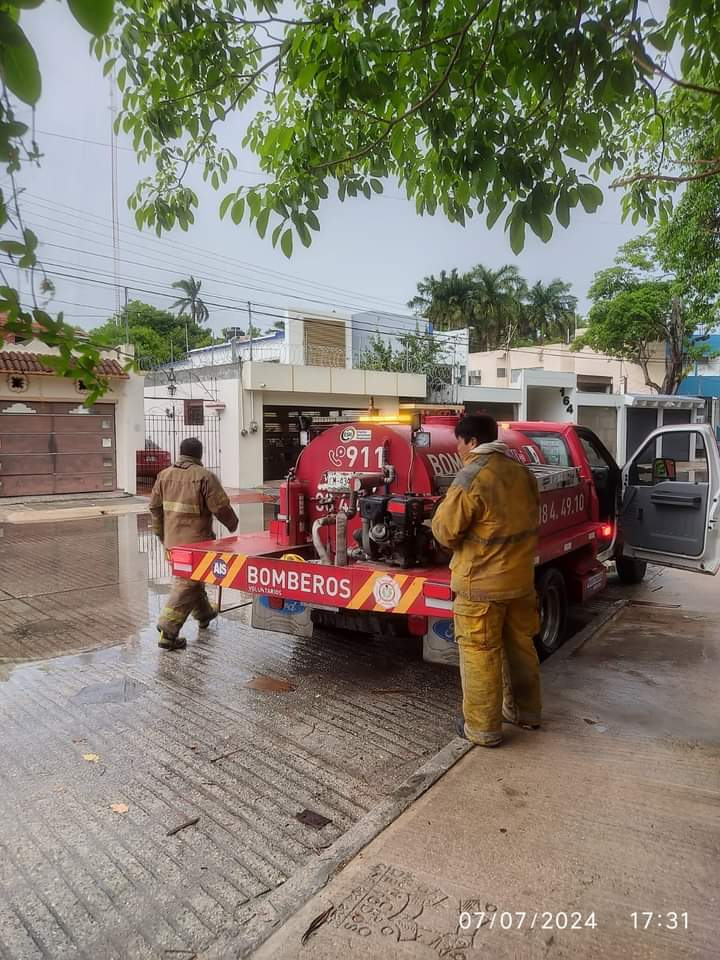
603 422
56 448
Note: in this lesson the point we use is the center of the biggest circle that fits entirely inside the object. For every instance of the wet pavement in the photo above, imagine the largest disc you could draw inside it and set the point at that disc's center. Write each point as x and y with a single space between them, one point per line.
262 749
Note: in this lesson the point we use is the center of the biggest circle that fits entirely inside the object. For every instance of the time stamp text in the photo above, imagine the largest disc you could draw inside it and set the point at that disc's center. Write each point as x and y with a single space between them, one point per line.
568 920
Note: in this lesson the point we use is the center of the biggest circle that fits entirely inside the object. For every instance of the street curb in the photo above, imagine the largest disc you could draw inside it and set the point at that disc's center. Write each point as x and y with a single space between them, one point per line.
570 648
281 905
71 513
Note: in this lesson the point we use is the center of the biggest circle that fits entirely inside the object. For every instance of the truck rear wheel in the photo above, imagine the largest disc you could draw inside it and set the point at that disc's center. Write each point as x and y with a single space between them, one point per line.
630 570
552 597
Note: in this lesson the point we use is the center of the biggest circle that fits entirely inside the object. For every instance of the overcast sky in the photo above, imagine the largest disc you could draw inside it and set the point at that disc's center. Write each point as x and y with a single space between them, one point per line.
369 254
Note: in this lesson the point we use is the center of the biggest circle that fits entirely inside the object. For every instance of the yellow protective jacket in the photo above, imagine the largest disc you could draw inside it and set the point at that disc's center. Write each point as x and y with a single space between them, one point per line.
183 502
489 519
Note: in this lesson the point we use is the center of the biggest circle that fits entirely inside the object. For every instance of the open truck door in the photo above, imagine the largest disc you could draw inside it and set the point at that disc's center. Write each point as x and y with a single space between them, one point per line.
670 510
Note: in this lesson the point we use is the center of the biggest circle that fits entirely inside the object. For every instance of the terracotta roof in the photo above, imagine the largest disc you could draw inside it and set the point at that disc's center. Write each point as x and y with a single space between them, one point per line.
17 361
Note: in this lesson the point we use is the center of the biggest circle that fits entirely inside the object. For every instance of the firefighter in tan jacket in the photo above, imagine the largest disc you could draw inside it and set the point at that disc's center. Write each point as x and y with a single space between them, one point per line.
183 502
489 519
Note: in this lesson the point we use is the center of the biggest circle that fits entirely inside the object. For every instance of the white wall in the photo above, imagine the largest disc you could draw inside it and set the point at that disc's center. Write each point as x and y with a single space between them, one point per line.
241 457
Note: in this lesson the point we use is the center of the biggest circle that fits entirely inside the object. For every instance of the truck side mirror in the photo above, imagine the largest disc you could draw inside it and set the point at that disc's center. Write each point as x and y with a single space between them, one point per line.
663 469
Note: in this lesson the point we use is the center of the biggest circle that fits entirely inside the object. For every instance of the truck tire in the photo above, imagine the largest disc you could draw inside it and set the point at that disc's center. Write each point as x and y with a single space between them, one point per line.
552 599
630 570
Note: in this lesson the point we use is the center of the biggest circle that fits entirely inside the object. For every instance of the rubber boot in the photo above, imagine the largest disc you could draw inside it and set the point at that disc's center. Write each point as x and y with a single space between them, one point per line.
508 718
460 731
171 643
204 624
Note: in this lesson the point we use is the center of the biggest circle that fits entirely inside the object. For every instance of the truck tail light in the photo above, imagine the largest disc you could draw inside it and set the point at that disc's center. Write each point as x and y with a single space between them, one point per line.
276 603
417 626
606 531
182 561
437 591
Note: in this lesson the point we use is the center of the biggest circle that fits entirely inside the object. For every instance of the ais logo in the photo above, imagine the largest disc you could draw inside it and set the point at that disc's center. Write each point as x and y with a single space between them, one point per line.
219 568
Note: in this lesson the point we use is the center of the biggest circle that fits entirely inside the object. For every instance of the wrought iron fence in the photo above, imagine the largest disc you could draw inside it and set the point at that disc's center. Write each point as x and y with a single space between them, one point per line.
165 432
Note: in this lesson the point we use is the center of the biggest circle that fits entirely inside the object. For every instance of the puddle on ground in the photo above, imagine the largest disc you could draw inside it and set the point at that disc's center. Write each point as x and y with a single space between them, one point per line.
114 691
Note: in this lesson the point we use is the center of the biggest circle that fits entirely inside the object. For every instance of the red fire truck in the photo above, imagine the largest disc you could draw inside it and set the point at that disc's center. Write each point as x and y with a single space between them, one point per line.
351 545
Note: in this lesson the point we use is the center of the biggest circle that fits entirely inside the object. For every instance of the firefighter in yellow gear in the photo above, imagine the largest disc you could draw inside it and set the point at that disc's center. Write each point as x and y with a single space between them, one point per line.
183 502
489 520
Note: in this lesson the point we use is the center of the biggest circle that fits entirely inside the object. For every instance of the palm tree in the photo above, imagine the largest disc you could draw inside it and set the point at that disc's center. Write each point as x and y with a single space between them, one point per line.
446 301
498 304
551 310
191 303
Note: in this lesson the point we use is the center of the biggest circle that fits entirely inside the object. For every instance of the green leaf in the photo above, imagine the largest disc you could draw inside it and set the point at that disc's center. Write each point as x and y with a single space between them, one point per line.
541 225
462 192
262 221
224 206
18 62
624 78
376 185
13 130
590 196
286 243
94 15
12 247
312 220
562 211
238 209
495 208
276 233
517 233
397 142
660 41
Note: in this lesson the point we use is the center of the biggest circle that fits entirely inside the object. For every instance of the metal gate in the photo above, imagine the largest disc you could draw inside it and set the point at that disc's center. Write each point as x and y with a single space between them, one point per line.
163 436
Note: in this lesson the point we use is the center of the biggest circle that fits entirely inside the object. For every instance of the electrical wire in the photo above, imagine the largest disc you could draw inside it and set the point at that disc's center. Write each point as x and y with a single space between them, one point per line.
191 249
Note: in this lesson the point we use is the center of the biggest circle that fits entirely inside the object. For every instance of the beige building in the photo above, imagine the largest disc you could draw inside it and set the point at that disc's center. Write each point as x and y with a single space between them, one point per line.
594 372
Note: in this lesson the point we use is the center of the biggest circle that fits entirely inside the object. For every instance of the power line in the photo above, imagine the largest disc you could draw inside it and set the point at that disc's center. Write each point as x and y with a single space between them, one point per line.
173 271
390 331
331 296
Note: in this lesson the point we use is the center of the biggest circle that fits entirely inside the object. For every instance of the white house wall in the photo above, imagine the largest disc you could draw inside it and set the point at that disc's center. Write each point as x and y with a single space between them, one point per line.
241 457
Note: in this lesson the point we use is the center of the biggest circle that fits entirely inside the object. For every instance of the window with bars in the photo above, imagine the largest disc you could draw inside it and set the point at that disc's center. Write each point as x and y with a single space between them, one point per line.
194 414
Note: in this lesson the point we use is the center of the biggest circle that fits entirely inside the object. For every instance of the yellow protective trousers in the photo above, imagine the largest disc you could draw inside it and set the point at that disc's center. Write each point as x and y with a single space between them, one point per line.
186 597
492 635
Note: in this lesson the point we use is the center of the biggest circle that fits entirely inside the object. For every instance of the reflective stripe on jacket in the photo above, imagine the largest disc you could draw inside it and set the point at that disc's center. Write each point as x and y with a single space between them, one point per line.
489 519
183 502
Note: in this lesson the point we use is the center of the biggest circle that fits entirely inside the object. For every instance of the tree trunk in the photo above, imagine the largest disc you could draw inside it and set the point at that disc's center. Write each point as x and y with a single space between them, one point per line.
675 356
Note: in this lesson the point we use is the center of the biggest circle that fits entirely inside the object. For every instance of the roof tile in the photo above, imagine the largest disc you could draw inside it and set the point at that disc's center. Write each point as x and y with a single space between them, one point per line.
17 361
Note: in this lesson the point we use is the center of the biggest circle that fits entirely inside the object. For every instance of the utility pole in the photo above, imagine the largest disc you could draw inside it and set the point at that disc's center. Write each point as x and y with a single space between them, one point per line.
114 194
127 324
250 327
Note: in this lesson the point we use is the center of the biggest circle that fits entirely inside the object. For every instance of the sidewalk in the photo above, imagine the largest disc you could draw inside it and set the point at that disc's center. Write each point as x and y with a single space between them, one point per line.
610 809
75 508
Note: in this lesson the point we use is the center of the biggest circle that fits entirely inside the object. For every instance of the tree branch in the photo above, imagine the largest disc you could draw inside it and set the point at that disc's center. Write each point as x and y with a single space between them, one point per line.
236 99
417 106
667 178
645 61
426 43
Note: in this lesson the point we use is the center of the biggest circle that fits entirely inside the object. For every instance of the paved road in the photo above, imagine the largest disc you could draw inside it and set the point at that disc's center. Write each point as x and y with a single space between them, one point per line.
109 744
94 716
